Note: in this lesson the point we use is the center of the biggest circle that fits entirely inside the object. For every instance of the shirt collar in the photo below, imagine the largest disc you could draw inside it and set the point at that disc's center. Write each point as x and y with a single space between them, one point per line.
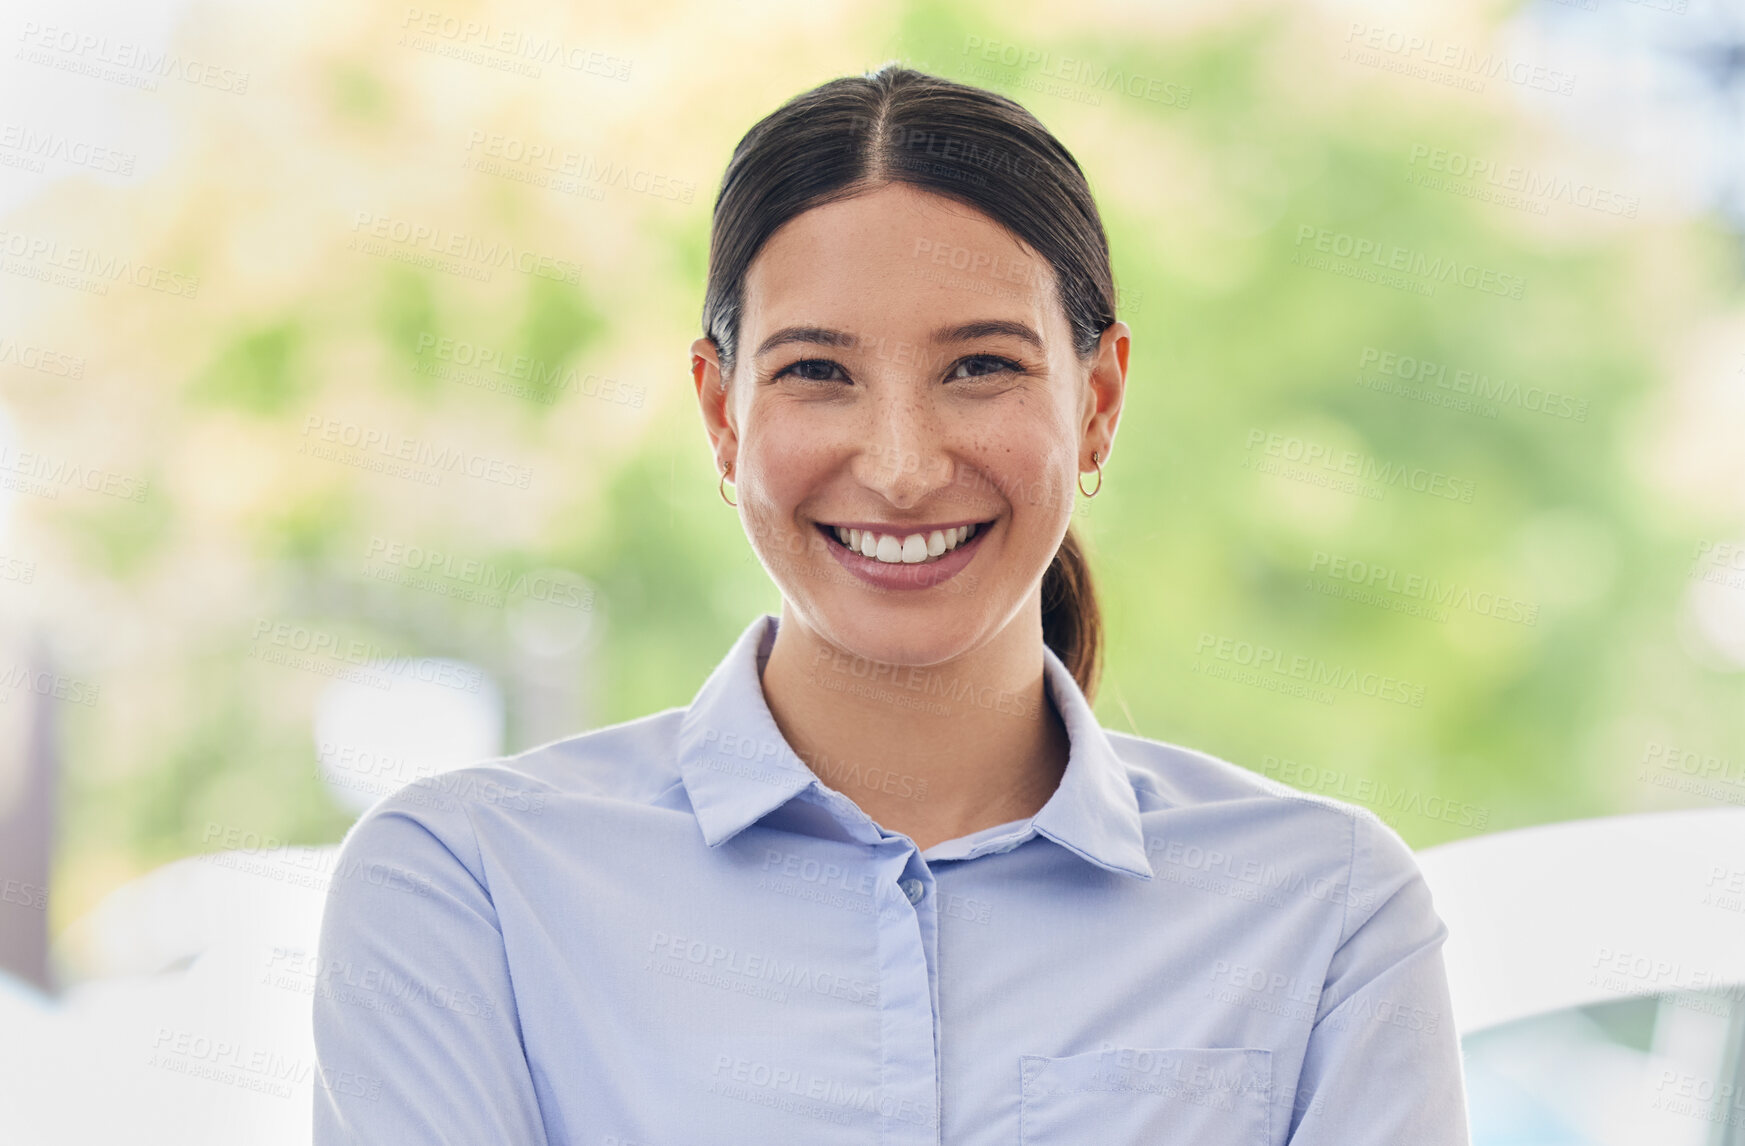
737 767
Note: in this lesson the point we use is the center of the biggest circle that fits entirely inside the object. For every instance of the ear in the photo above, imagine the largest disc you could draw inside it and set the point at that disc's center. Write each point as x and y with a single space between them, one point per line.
714 400
1104 395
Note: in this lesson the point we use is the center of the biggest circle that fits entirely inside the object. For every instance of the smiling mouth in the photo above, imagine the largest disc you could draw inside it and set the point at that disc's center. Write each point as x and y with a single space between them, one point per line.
903 548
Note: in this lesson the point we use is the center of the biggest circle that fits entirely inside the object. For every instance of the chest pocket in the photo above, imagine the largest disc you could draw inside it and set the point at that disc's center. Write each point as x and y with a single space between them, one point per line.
1128 1096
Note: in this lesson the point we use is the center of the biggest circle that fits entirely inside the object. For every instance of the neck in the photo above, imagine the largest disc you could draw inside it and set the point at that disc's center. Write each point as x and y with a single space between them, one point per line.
933 753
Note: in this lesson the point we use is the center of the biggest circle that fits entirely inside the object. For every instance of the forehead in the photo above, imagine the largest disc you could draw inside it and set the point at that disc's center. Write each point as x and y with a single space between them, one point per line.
898 260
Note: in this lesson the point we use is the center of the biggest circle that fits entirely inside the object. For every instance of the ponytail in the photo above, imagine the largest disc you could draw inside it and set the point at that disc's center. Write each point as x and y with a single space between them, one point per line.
1072 622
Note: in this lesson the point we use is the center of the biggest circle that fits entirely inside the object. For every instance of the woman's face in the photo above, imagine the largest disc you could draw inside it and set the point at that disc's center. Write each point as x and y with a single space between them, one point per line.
905 369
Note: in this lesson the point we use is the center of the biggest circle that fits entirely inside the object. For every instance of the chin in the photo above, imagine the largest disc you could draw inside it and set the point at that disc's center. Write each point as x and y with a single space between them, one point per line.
904 636
921 629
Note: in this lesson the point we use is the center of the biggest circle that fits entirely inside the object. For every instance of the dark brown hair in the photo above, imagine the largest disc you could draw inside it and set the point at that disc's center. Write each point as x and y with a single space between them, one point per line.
898 125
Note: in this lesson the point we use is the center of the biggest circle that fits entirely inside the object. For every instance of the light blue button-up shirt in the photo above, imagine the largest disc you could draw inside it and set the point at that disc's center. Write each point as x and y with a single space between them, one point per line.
671 932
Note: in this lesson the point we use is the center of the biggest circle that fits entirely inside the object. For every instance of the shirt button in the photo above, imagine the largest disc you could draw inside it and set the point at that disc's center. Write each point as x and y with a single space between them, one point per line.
914 889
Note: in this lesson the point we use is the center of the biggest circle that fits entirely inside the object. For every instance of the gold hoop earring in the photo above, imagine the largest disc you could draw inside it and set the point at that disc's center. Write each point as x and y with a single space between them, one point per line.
721 486
1099 489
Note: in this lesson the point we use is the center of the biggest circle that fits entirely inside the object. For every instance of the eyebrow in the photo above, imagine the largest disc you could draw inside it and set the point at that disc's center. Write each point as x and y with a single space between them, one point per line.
964 332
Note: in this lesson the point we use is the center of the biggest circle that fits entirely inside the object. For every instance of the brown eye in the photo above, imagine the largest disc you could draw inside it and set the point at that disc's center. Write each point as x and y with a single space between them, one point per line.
984 366
812 370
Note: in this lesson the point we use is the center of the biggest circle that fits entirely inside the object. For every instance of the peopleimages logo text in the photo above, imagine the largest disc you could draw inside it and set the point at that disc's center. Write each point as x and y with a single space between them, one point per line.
1422 372
495 254
1312 670
1405 260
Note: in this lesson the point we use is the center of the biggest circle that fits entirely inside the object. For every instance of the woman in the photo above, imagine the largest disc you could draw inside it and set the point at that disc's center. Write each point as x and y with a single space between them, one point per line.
886 880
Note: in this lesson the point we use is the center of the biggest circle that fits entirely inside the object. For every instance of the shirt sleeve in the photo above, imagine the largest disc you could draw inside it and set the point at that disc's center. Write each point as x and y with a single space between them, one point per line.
1383 1064
417 1038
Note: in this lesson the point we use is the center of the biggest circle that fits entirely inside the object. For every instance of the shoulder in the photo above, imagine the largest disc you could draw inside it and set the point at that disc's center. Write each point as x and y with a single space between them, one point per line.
1174 776
1179 786
633 762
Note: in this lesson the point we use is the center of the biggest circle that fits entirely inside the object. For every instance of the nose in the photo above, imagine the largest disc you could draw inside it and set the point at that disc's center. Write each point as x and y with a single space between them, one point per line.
904 457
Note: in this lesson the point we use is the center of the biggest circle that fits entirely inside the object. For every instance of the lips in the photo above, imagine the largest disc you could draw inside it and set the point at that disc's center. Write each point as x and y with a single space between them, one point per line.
925 572
898 545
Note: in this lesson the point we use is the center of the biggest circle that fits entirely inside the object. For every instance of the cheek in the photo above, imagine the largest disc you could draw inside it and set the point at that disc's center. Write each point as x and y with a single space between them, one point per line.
1032 456
783 467
784 464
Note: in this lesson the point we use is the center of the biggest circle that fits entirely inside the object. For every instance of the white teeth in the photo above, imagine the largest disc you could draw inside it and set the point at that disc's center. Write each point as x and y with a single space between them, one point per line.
907 549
